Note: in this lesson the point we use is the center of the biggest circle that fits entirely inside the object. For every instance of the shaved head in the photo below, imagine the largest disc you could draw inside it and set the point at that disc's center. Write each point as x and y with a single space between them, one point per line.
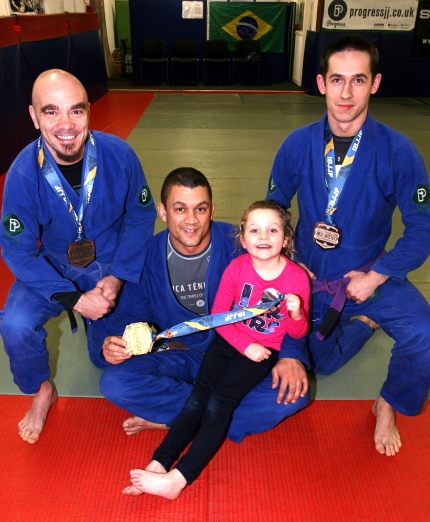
55 78
60 110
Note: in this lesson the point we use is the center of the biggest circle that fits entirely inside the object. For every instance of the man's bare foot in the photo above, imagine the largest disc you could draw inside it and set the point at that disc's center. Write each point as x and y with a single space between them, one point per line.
31 426
366 320
167 485
387 435
134 425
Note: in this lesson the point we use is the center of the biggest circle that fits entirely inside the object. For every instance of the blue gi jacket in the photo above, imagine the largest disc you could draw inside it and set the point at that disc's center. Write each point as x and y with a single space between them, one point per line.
387 171
153 301
119 219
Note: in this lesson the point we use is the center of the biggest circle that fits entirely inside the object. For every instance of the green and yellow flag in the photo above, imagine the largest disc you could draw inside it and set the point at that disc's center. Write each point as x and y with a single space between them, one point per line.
249 21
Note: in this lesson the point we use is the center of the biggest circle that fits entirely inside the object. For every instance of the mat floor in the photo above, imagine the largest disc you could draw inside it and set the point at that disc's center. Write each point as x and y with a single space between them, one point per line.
127 82
320 465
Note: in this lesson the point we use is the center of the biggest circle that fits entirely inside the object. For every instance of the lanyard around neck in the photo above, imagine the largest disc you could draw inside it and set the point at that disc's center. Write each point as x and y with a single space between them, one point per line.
51 173
336 180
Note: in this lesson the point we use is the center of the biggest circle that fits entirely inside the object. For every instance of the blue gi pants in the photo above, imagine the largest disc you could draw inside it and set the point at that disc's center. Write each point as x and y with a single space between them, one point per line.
24 336
404 314
156 386
224 378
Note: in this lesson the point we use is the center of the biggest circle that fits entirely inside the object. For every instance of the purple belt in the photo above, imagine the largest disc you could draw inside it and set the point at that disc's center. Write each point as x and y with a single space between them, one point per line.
337 289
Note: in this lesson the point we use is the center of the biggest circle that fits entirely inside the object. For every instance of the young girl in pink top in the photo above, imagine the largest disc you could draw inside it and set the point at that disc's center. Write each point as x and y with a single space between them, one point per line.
241 355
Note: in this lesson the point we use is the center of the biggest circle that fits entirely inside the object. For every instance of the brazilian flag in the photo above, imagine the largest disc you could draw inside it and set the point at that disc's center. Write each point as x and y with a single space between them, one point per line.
263 21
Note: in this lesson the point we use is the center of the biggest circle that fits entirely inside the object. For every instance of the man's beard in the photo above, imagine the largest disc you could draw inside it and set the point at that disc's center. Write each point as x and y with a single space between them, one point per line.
69 158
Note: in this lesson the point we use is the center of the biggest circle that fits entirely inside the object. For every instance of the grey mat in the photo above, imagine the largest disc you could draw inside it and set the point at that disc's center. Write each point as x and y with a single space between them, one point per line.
74 375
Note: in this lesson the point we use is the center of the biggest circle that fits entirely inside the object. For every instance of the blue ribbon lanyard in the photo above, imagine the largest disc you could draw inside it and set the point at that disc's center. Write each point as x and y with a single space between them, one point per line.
214 320
336 180
49 169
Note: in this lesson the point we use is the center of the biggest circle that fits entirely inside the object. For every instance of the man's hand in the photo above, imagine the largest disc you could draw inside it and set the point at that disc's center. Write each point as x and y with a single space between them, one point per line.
110 286
114 350
291 374
362 285
93 304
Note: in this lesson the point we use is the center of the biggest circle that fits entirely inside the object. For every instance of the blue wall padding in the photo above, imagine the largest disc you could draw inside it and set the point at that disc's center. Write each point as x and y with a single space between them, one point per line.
23 59
163 20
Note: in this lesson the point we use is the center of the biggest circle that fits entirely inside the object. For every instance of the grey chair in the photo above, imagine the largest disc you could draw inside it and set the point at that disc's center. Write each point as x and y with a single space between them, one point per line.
184 56
153 53
248 56
216 56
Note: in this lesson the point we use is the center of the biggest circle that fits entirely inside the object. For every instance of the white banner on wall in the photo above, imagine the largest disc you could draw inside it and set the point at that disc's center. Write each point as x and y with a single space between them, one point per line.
192 9
348 15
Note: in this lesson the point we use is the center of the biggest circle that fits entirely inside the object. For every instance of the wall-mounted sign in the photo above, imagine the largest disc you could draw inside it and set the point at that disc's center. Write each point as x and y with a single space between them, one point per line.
421 50
348 15
192 9
27 7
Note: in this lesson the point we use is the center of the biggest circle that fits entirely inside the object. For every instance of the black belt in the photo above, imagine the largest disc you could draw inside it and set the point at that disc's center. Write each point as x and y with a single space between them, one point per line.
72 319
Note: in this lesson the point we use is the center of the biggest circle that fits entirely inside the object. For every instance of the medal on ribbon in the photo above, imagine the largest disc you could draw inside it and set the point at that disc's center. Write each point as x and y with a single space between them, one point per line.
327 234
140 338
82 251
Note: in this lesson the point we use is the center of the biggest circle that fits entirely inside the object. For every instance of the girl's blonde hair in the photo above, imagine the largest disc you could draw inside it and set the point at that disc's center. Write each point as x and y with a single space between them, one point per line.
285 216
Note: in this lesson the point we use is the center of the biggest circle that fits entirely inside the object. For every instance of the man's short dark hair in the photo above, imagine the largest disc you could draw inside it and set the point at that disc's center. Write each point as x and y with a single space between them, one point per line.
184 177
351 42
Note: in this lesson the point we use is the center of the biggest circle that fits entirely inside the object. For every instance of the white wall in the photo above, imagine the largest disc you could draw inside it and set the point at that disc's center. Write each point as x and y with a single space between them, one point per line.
60 6
309 23
4 8
110 22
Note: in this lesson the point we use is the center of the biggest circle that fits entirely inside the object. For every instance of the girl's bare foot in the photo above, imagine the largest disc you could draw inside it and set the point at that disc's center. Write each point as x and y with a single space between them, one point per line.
31 426
167 485
132 491
155 467
387 435
134 425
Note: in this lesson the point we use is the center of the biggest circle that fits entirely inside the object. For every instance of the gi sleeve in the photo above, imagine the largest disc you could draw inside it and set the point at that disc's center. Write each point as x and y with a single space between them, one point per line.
412 192
283 181
138 224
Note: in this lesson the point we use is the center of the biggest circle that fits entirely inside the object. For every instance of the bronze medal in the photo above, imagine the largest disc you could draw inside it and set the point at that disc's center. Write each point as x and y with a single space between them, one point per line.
327 236
81 253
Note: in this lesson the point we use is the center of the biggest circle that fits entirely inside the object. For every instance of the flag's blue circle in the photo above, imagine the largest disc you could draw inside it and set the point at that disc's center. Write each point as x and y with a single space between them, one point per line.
247 28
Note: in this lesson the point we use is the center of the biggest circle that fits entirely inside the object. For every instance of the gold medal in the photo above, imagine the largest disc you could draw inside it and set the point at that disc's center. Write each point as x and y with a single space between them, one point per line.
138 338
